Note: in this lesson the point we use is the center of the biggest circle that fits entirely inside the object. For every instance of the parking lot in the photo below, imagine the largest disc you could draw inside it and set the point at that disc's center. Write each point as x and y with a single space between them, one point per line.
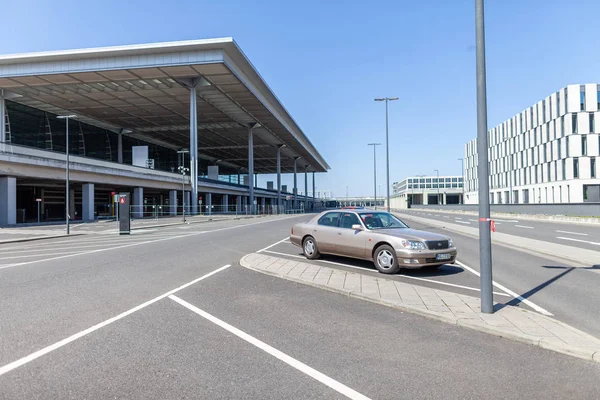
167 313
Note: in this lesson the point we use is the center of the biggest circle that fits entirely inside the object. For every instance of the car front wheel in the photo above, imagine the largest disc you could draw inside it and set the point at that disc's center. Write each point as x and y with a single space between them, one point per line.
310 249
385 260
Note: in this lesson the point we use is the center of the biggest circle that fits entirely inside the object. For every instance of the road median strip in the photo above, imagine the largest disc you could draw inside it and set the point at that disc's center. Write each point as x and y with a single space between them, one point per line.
508 322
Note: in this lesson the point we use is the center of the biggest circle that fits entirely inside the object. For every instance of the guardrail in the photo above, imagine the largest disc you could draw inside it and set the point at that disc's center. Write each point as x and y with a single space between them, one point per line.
570 209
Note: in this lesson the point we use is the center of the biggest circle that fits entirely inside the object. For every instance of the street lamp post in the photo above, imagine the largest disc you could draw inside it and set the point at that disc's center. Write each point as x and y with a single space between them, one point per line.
183 170
485 236
438 185
462 169
67 199
374 169
387 146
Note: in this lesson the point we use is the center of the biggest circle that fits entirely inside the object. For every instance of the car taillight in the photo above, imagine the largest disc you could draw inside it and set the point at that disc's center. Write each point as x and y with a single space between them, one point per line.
292 230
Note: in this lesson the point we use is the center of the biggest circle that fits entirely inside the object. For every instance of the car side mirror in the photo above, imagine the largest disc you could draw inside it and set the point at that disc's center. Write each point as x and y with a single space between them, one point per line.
358 227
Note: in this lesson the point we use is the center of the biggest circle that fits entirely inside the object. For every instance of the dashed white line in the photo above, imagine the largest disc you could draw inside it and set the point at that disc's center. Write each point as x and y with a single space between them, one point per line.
22 361
573 233
463 222
445 216
578 240
516 296
524 226
292 362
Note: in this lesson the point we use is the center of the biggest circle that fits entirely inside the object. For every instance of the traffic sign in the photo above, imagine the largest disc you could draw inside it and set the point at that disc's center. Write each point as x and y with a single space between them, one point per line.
493 225
122 200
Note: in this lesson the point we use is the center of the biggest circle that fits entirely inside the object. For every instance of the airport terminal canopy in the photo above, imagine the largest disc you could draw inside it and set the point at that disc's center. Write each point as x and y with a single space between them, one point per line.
143 91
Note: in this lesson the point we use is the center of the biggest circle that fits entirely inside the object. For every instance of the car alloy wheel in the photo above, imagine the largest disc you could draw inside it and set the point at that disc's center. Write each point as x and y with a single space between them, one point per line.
385 259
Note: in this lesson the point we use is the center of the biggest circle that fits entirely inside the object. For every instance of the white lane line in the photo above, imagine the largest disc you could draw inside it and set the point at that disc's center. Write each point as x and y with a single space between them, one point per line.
524 226
292 362
578 240
505 220
457 218
474 220
573 233
141 243
463 222
273 245
22 361
445 216
377 272
513 294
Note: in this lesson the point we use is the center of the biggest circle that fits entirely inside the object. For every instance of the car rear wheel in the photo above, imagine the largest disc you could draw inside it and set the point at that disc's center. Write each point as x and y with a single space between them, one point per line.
385 260
310 249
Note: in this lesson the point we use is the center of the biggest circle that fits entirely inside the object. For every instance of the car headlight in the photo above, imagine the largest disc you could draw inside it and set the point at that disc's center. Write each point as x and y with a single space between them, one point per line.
450 243
413 245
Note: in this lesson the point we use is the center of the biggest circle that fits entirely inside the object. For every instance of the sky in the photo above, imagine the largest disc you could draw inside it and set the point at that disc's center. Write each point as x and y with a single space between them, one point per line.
327 60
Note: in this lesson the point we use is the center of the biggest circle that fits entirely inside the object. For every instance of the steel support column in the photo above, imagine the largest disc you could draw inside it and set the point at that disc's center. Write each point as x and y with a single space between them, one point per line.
314 187
279 179
251 165
194 148
120 148
306 187
295 183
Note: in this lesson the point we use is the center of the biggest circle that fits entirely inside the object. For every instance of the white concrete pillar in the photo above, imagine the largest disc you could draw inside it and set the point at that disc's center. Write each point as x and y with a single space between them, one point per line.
173 202
137 205
295 182
8 200
120 148
209 203
251 165
194 148
87 202
225 203
306 187
444 199
278 179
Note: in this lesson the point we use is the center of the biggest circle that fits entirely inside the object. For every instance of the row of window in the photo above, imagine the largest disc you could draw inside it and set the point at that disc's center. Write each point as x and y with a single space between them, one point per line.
434 180
534 175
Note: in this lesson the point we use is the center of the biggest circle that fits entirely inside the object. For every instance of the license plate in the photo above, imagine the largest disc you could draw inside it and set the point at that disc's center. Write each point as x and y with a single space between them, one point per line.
443 256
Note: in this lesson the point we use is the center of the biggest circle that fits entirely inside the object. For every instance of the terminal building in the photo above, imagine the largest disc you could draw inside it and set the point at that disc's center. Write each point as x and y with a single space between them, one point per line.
424 190
139 113
548 153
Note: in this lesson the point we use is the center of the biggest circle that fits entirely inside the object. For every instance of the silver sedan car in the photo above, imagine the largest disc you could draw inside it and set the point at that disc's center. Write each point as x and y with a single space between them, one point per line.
375 236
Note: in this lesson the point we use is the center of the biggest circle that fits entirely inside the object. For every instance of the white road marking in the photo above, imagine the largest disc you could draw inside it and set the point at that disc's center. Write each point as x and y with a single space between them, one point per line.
377 272
474 220
463 222
272 245
513 294
505 220
292 362
445 216
578 240
141 243
22 361
524 226
573 233
457 218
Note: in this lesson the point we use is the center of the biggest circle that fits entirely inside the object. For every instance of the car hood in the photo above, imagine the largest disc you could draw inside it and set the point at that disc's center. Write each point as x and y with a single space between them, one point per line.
411 234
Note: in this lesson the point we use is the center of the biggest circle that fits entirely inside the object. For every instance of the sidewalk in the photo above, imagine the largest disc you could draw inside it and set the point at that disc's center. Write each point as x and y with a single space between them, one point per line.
508 321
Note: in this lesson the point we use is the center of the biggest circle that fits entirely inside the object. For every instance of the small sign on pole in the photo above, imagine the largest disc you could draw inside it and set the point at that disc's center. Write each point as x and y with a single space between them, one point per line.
493 225
38 200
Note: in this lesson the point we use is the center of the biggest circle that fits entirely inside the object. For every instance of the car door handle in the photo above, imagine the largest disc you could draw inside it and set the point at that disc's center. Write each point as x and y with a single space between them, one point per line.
340 233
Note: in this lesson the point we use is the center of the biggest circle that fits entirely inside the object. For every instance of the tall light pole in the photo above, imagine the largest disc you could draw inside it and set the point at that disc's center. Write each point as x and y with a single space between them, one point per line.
387 146
183 170
485 236
67 199
462 172
374 169
437 171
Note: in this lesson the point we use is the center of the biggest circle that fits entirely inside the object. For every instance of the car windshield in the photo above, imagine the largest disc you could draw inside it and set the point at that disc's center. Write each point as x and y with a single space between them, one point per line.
381 220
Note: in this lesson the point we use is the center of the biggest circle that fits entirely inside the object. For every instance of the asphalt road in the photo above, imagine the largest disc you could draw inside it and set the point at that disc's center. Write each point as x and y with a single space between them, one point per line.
585 236
235 333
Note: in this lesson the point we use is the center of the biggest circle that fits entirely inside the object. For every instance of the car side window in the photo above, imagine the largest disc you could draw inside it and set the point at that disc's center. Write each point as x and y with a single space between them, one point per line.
330 219
349 219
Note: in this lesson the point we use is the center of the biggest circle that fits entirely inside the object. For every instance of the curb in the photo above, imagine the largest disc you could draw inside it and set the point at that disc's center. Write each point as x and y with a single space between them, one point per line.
573 351
191 222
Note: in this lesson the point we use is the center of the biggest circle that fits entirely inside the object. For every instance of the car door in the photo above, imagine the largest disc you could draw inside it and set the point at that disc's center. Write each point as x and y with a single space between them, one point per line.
350 242
326 231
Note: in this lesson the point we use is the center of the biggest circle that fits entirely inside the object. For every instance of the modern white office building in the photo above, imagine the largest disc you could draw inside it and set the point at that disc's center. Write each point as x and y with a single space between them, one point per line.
548 153
427 190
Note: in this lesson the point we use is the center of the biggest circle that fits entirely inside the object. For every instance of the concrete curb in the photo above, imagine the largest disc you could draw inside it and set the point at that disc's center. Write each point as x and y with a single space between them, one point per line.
40 238
562 348
192 222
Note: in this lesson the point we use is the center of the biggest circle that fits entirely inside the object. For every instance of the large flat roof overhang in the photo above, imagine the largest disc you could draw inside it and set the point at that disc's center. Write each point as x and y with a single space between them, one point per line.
141 91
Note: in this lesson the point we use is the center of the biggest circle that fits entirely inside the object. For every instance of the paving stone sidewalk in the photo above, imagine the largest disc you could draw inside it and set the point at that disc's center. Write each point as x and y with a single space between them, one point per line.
508 322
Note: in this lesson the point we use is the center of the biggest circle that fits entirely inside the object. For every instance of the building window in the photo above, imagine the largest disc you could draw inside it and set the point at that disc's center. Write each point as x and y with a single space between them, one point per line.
536 174
564 170
562 126
559 147
598 100
574 123
584 145
567 145
593 167
556 171
591 122
575 167
582 100
548 178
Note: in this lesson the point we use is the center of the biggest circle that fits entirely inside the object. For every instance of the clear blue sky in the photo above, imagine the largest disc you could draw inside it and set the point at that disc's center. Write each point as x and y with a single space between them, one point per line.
327 60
